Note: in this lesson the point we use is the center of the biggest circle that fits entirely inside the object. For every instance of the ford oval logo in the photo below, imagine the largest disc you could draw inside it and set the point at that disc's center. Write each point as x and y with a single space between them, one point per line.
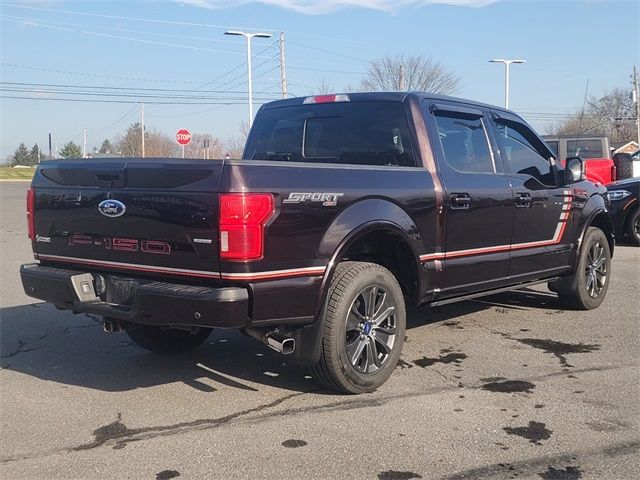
111 208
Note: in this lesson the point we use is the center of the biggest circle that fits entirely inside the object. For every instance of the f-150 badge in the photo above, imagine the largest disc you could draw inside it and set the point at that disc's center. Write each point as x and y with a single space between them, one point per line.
328 199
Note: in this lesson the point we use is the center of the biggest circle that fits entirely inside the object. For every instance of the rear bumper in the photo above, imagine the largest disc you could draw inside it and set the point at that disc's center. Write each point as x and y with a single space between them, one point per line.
136 300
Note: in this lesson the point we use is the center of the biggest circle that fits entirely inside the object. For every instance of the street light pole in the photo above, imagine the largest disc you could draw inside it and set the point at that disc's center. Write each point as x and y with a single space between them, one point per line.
506 76
249 36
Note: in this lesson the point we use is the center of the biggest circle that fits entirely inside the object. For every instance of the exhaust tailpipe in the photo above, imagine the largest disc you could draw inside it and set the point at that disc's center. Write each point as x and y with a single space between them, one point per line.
113 326
274 340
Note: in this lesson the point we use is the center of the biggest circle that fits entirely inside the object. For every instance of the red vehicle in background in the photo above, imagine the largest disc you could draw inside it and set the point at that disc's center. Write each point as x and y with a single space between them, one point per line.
594 150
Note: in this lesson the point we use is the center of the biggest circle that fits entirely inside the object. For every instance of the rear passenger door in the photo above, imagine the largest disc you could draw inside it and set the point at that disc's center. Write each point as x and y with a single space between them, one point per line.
478 201
542 208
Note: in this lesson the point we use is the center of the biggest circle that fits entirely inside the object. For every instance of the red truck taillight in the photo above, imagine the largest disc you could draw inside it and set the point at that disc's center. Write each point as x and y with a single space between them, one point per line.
31 208
242 220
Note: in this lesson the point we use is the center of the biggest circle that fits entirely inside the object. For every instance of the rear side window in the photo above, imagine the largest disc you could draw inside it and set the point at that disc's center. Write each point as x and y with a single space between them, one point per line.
365 133
585 148
464 142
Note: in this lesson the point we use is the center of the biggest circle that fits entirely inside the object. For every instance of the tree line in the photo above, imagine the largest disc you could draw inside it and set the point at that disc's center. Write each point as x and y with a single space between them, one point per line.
129 144
612 115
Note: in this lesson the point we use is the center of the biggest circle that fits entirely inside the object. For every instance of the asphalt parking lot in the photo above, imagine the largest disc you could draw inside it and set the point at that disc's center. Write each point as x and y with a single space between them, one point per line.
508 386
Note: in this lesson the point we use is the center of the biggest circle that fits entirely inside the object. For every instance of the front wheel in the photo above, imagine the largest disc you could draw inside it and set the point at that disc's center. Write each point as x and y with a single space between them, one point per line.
633 227
167 341
364 325
587 287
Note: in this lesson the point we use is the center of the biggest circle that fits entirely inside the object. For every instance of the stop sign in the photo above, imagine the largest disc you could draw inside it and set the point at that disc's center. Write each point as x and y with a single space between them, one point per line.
183 136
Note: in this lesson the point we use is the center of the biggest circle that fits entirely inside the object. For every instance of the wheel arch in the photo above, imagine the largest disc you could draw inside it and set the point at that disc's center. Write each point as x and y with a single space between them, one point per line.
601 219
363 223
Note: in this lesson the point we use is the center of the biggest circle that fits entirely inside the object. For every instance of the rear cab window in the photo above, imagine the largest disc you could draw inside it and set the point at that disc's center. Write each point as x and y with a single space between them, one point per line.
362 133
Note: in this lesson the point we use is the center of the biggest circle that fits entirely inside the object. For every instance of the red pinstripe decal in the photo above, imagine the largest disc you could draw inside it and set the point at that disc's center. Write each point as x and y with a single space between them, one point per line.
557 237
294 272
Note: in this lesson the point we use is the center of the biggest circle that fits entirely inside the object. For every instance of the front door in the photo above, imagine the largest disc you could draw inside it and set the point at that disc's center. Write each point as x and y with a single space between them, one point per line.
478 201
543 210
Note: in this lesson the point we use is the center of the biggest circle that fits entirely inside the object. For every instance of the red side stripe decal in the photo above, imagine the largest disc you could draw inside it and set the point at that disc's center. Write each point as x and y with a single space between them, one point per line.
557 237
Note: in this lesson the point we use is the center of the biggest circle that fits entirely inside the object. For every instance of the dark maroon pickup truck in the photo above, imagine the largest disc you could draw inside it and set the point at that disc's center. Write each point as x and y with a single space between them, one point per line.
344 210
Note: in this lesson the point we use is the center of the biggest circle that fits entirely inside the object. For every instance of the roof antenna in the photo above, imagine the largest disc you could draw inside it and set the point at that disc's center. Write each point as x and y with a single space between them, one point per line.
584 103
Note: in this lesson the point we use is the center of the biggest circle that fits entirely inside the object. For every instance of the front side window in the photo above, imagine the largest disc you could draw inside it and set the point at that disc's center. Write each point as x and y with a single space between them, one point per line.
553 146
520 155
464 142
364 133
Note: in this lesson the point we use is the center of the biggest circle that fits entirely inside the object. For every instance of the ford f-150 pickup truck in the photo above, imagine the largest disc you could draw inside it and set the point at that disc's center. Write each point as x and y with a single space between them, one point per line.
343 211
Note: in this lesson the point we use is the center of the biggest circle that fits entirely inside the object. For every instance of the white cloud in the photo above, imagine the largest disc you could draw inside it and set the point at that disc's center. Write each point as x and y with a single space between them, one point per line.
320 7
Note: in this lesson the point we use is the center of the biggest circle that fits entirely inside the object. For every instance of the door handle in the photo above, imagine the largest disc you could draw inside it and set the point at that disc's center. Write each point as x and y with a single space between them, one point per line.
459 201
522 200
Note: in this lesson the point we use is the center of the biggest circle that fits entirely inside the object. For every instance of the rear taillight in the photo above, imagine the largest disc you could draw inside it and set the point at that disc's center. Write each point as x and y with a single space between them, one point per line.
242 220
31 219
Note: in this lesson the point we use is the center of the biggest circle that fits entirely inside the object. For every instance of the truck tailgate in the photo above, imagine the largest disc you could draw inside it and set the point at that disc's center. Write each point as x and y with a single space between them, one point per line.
151 216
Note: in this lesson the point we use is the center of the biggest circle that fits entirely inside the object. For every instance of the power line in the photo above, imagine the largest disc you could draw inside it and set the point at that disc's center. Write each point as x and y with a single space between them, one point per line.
325 70
135 19
124 30
328 52
236 68
96 75
117 122
102 88
130 39
153 102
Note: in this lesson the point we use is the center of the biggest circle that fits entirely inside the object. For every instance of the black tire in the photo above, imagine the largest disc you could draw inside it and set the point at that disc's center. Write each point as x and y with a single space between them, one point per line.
167 341
624 165
587 287
632 227
350 325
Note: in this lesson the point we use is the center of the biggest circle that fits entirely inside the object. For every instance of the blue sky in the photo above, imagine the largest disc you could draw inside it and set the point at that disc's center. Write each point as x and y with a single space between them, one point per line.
179 45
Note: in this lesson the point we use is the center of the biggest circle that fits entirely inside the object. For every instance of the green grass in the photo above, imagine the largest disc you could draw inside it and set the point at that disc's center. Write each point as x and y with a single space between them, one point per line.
7 173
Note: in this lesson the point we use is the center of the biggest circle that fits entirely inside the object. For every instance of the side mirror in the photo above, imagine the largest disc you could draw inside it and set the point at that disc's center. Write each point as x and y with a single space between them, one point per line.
573 170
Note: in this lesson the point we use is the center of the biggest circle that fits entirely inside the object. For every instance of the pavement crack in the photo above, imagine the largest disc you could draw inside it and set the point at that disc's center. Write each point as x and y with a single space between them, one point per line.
20 349
119 434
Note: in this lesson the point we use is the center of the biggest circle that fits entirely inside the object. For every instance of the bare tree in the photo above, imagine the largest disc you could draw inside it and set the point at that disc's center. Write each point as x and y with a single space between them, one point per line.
234 145
323 88
158 144
196 147
612 115
410 73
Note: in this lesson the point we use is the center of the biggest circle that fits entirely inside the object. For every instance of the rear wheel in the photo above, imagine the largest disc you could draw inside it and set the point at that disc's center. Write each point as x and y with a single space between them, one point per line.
167 341
364 327
633 227
587 287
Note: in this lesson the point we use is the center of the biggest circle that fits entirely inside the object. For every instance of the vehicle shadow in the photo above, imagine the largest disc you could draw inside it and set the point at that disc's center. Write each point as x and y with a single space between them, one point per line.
57 346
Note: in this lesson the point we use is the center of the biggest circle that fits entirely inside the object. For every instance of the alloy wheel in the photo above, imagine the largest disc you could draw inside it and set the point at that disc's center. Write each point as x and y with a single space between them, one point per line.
371 329
596 270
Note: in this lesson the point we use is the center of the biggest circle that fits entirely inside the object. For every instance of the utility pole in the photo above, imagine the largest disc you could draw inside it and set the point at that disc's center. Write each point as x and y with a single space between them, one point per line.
142 127
636 99
401 79
50 155
283 71
84 143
